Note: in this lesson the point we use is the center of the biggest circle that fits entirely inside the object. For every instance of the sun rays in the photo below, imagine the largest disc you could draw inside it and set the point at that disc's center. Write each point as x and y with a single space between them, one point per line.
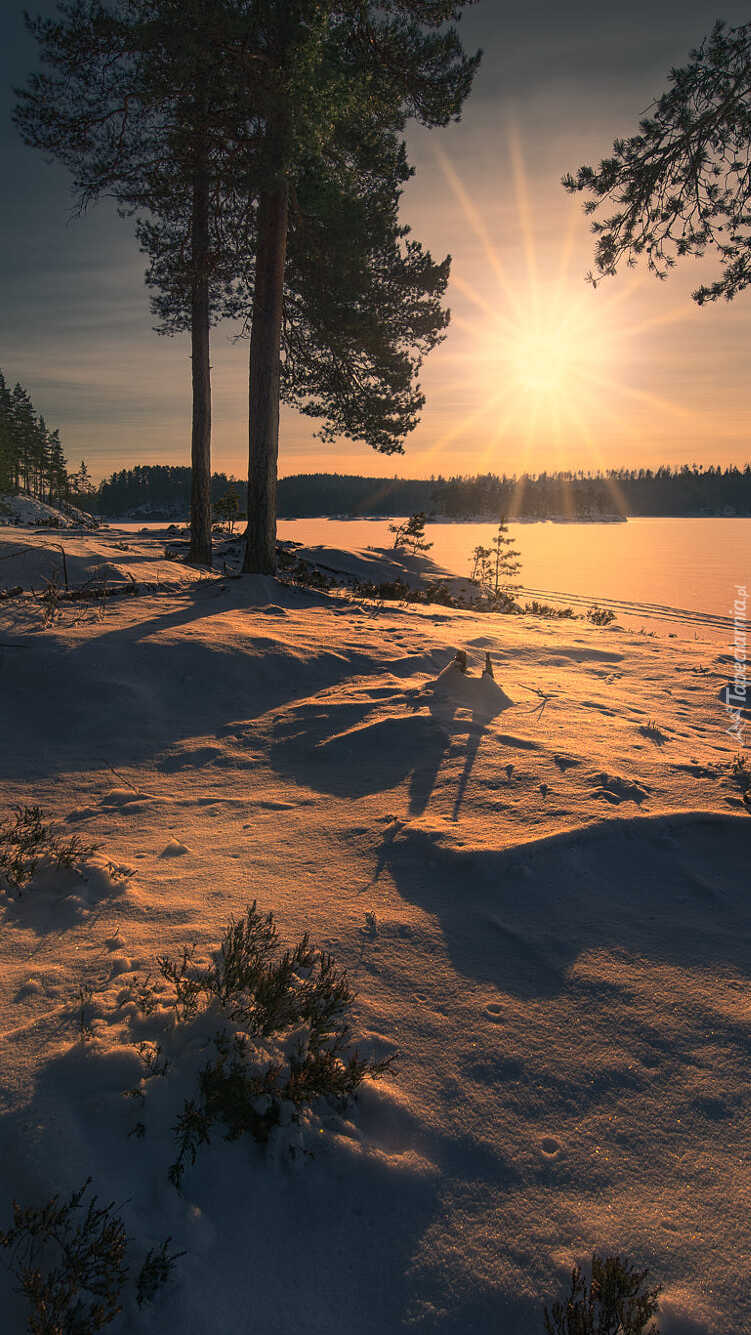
546 359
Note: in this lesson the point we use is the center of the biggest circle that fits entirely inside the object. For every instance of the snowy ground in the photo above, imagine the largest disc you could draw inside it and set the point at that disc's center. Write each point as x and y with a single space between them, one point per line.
557 863
26 511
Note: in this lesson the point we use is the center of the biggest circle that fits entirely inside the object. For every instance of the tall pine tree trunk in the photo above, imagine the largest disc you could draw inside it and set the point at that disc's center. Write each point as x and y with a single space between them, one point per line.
200 492
265 354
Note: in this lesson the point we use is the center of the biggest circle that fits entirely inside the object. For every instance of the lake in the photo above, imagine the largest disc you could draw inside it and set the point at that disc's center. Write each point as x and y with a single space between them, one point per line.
641 567
676 575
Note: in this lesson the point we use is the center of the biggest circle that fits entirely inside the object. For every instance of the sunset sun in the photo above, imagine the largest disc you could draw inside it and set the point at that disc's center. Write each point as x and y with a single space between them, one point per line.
550 361
551 357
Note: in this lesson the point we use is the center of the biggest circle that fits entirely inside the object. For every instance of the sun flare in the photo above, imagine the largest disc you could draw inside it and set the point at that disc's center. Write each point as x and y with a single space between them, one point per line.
546 358
549 359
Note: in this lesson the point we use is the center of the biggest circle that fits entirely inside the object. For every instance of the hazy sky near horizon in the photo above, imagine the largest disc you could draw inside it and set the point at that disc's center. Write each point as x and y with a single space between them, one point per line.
538 370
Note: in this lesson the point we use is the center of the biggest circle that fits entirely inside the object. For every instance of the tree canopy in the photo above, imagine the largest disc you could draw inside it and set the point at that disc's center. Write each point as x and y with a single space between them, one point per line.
682 184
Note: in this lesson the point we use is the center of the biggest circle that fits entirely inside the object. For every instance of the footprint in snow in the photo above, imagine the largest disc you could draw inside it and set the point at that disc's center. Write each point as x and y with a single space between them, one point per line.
612 788
550 1147
565 762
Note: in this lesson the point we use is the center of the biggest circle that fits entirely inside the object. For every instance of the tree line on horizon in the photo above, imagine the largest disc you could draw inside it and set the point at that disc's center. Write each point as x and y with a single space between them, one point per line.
31 456
163 492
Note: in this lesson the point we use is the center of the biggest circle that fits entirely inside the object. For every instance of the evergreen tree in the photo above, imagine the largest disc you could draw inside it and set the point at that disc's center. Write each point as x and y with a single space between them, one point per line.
683 184
8 463
31 456
494 567
227 510
343 308
135 100
81 484
41 461
411 534
286 113
58 471
25 436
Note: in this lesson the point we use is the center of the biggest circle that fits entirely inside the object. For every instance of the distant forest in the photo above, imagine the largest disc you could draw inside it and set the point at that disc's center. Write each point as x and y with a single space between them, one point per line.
162 492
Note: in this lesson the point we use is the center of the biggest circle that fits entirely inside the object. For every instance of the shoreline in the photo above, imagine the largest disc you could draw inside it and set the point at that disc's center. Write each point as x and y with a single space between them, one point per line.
437 519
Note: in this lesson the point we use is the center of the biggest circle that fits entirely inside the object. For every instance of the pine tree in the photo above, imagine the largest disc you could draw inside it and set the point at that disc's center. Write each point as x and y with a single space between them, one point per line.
31 456
25 436
41 461
81 484
411 534
494 567
135 100
59 481
8 462
343 307
227 510
682 183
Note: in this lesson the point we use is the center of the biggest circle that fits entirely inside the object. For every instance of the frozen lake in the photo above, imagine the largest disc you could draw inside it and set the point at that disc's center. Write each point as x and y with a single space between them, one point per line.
686 563
690 564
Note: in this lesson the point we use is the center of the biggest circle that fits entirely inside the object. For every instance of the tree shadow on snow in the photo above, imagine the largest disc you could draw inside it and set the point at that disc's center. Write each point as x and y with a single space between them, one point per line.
338 749
121 696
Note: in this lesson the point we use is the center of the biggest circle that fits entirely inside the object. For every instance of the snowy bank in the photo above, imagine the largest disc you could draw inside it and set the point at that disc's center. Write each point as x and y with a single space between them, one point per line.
29 512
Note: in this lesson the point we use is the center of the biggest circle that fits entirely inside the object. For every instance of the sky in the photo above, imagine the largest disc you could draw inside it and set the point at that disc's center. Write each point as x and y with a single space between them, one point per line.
539 370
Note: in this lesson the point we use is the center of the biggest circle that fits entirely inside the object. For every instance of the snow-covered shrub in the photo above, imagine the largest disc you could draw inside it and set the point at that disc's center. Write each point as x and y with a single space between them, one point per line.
271 1025
26 841
295 570
538 609
617 1301
600 616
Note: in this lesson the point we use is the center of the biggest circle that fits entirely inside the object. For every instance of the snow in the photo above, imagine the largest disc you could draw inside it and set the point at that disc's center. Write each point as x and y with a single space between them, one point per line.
558 950
22 510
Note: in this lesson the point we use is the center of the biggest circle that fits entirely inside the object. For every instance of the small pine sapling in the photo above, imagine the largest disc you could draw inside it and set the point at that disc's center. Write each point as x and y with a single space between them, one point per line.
494 568
617 1301
227 510
398 531
411 534
263 995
